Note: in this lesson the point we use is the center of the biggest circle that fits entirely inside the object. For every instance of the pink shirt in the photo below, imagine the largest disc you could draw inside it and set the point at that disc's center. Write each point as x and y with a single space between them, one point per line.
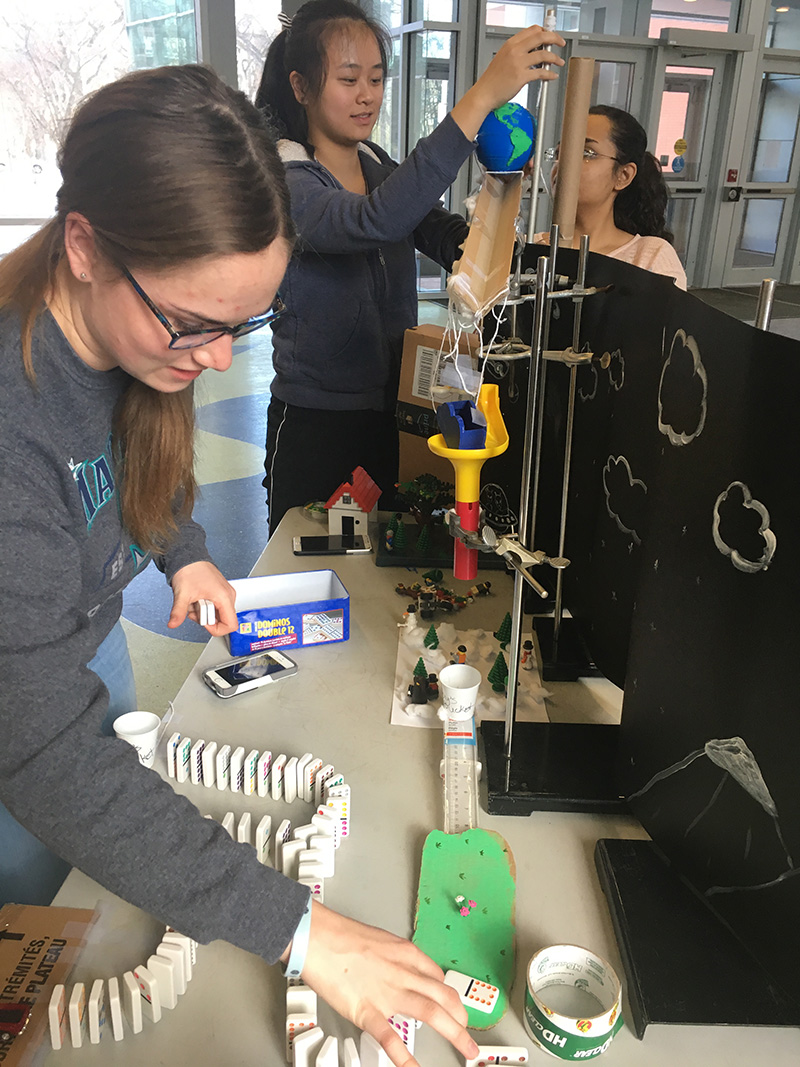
649 253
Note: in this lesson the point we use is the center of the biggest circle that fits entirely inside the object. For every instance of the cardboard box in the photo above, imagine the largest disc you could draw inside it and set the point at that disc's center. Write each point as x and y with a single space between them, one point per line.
416 417
38 949
290 610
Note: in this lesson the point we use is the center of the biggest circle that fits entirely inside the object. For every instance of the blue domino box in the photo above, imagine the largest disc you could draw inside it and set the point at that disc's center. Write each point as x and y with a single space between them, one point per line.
290 611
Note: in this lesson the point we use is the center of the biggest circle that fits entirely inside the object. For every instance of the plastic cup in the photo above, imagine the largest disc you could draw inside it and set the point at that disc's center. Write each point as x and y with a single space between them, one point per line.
140 729
459 684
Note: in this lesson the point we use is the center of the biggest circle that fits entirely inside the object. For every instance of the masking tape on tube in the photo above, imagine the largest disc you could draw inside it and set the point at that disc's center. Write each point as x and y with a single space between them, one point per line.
572 1002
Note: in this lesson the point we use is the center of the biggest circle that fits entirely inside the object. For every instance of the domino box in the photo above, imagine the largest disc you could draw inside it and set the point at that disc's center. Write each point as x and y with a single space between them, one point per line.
290 610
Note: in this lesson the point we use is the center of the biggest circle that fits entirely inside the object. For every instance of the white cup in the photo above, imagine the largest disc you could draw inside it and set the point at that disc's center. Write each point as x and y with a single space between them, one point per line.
140 729
459 685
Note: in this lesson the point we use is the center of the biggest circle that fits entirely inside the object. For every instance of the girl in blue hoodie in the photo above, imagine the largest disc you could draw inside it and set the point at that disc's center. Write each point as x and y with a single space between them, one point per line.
350 290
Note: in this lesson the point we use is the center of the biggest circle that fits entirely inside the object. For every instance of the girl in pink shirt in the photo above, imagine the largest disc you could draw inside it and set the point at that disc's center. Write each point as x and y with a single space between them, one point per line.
622 199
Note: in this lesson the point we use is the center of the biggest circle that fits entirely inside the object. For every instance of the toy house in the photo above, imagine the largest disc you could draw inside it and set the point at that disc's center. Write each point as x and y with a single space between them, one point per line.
351 505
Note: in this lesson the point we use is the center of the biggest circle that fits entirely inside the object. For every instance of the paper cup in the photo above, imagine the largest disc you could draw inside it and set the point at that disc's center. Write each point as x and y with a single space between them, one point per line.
140 729
459 685
572 1002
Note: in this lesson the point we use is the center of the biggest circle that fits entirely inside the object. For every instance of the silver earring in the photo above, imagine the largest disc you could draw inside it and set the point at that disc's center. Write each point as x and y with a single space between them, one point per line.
83 277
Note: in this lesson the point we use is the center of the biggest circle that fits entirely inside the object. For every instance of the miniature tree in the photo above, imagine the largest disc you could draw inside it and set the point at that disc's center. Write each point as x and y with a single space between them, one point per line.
498 675
400 540
392 523
431 639
503 634
424 540
421 671
434 575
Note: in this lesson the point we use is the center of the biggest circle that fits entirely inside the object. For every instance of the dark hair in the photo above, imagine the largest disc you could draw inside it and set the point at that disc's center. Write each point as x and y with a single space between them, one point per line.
168 165
640 207
303 47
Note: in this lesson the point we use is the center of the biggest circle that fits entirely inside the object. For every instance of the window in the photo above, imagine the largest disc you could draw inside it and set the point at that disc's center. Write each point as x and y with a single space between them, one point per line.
53 54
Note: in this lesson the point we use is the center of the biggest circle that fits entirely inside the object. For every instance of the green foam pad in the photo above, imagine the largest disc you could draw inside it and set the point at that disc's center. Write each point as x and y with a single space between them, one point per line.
478 865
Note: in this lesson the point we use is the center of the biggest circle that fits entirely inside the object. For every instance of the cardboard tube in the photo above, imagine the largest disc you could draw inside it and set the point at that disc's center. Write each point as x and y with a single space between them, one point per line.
570 155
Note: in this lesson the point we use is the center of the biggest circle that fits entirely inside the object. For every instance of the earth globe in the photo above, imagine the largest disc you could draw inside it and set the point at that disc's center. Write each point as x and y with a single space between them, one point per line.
506 138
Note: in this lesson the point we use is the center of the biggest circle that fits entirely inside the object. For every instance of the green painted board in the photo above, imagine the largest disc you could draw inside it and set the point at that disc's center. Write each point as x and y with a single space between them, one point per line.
478 865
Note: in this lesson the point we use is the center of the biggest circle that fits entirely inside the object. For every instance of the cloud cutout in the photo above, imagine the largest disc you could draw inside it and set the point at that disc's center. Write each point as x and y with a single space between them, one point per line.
740 518
625 496
582 393
682 392
616 369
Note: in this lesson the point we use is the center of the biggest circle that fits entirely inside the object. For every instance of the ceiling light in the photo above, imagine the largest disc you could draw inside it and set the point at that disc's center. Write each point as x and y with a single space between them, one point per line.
781 10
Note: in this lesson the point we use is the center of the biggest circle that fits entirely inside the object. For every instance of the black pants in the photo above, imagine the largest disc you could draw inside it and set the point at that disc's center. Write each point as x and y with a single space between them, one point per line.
310 452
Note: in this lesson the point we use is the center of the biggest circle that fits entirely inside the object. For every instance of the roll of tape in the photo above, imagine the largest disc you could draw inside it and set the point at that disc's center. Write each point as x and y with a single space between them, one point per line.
572 1002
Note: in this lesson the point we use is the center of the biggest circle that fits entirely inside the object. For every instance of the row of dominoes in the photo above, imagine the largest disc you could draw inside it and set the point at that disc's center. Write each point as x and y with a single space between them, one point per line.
205 763
307 1046
145 989
306 853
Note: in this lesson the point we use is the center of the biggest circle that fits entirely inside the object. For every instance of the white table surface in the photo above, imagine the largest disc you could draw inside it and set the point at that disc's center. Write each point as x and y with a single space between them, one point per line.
338 707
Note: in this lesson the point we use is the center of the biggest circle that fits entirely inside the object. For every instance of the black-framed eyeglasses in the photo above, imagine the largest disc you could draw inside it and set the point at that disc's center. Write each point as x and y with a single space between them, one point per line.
551 155
205 335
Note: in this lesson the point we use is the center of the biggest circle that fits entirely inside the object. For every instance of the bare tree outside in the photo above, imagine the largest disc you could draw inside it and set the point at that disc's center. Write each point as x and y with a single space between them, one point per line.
256 26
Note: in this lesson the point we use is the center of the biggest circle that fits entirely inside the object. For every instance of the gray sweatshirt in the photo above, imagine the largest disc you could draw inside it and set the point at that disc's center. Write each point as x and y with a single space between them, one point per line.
65 558
350 290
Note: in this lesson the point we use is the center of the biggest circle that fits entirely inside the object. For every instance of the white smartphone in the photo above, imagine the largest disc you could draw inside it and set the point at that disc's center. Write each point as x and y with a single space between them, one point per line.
333 545
239 675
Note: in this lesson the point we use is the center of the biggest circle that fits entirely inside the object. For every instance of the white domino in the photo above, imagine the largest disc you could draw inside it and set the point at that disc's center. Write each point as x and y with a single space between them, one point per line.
57 1017
406 1028
243 830
491 1054
295 1025
302 833
277 776
209 760
350 1056
115 1009
163 970
473 992
290 855
316 886
263 834
327 823
77 1014
305 1047
97 1011
187 946
328 1055
282 835
290 780
300 1000
302 763
323 774
372 1055
132 1002
148 987
310 778
262 774
196 762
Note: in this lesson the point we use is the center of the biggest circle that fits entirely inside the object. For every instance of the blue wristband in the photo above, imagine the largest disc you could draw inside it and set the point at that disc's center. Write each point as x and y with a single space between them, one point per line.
293 967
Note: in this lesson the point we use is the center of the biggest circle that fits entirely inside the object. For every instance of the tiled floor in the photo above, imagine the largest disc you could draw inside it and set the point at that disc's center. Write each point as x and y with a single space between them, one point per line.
231 418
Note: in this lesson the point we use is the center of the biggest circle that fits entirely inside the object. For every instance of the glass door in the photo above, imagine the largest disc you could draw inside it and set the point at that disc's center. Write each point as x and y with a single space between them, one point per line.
686 100
763 242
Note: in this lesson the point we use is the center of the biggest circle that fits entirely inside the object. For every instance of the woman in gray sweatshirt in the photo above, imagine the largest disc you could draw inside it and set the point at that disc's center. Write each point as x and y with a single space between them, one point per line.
171 237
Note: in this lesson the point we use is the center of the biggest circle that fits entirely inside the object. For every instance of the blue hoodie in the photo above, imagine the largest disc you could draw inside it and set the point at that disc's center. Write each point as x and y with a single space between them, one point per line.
350 290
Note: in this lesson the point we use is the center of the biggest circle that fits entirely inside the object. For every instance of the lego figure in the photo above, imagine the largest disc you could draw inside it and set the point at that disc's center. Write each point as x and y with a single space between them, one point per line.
460 655
526 660
409 619
427 604
433 687
481 589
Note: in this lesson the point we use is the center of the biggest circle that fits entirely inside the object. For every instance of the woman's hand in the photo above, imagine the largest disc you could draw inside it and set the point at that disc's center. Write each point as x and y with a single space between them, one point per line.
368 975
516 64
202 581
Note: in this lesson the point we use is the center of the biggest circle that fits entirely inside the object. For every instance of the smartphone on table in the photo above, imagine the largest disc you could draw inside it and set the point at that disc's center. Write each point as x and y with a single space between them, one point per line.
240 675
332 545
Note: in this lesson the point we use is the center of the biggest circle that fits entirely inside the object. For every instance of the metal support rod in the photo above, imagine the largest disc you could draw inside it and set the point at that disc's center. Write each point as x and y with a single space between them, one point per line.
573 373
766 295
538 155
532 420
527 532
